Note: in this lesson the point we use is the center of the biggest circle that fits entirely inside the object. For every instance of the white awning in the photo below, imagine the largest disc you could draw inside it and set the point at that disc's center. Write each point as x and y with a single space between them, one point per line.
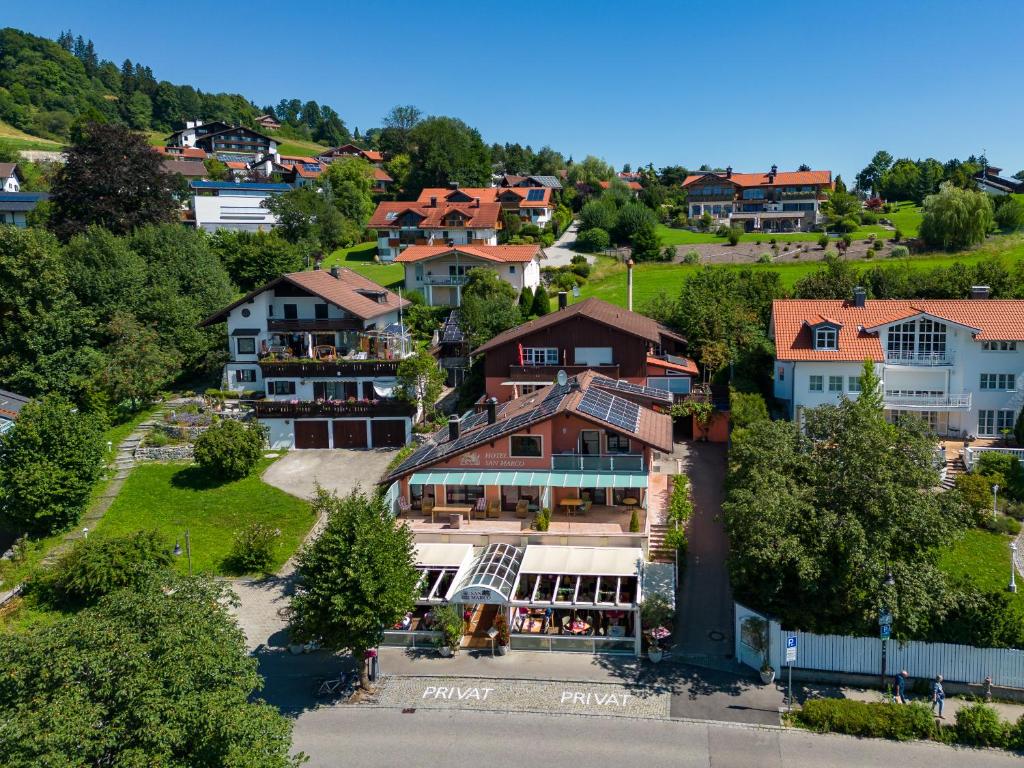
437 555
583 561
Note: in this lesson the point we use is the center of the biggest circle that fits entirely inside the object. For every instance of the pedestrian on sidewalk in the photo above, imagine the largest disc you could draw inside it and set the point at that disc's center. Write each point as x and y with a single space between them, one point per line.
938 695
901 687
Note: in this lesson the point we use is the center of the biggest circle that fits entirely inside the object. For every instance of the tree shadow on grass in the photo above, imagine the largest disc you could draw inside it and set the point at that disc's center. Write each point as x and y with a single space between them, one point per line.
194 478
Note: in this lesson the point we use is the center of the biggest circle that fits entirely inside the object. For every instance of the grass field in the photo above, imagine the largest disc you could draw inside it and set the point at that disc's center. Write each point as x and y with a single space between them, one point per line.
13 137
984 558
174 496
359 258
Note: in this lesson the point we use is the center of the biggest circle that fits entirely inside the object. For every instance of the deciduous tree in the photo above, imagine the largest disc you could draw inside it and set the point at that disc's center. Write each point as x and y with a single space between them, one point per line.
956 218
420 381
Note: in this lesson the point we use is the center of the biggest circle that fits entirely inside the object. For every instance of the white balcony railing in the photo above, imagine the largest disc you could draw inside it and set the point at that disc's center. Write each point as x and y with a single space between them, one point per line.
918 358
928 402
971 454
575 462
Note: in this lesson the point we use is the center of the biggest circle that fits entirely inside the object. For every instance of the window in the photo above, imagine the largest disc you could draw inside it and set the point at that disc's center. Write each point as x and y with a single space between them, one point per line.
816 383
1001 381
320 311
246 345
540 356
924 337
512 269
825 338
617 443
999 346
782 374
291 311
245 375
281 387
835 383
419 273
525 446
990 423
854 383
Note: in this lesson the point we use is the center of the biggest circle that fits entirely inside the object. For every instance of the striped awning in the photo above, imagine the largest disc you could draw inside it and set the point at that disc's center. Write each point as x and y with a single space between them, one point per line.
530 477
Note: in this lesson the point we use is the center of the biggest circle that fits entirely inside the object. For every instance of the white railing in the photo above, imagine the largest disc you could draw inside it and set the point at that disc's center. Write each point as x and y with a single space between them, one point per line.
576 462
971 455
926 402
919 358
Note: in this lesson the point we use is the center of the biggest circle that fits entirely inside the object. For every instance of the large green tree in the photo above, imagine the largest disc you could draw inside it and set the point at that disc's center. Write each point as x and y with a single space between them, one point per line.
420 381
153 675
355 578
51 459
489 306
870 178
444 150
956 218
351 180
112 178
255 258
139 364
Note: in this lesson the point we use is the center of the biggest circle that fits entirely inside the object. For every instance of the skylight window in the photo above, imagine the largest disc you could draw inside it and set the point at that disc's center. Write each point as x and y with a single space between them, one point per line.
391 215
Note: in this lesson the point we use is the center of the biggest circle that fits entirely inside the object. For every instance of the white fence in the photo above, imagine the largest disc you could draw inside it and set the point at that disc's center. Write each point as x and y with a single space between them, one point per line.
863 655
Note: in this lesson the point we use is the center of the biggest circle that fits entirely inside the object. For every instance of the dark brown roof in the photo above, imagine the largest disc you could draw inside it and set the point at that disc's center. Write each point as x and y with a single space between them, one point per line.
600 311
189 168
6 169
342 291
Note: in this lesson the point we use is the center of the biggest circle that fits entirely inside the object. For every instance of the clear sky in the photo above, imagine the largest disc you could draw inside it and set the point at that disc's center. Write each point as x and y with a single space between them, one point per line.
723 82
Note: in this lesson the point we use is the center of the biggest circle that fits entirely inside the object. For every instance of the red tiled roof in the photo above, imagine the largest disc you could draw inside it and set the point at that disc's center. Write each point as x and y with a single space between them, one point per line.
192 169
190 153
782 178
687 366
237 166
995 319
380 175
636 185
486 216
496 253
292 159
488 195
371 155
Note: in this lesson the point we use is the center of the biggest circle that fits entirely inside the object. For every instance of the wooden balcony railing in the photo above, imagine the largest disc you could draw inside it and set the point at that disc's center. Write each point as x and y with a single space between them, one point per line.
290 369
285 409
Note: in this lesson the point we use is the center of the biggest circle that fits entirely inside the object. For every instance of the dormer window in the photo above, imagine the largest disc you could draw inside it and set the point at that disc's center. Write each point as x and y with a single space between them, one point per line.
826 338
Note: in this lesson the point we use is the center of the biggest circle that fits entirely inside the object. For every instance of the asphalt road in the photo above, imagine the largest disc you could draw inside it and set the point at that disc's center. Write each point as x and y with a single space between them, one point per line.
341 736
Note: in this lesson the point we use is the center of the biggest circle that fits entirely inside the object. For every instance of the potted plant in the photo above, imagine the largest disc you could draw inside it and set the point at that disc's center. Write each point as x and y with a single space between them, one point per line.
757 638
656 617
502 639
448 621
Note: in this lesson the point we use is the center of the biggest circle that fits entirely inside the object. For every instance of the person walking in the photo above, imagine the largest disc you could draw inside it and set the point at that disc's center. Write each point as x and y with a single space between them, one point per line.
901 687
938 695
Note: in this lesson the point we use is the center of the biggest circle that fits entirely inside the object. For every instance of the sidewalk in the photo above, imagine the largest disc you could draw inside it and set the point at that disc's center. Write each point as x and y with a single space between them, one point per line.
1007 711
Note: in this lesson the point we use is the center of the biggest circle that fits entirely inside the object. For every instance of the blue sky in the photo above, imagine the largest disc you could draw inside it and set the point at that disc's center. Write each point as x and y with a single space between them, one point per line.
746 84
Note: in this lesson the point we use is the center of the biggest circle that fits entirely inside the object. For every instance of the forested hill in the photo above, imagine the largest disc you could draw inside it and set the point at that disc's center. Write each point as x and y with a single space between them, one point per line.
46 85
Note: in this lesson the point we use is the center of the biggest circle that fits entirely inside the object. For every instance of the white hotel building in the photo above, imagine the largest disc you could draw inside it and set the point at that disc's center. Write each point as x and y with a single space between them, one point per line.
958 363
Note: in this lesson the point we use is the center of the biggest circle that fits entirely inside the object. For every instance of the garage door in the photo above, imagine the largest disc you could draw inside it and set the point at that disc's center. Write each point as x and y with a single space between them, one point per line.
311 434
350 434
388 433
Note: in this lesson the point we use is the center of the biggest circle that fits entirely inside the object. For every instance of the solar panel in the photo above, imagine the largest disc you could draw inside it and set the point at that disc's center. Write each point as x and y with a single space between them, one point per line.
618 385
452 331
535 194
614 410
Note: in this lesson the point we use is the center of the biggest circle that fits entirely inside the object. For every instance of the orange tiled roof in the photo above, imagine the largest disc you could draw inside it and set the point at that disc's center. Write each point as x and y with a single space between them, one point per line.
486 215
636 185
237 166
190 153
687 366
292 159
380 175
489 195
782 178
792 319
496 253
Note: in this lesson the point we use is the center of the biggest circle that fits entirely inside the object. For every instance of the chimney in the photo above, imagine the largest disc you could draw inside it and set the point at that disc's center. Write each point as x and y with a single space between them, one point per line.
336 272
563 299
433 201
492 410
980 292
859 295
629 285
453 428
728 172
772 173
476 202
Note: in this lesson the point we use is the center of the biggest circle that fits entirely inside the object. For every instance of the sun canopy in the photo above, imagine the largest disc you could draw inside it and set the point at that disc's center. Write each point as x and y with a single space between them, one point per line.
530 478
583 561
491 577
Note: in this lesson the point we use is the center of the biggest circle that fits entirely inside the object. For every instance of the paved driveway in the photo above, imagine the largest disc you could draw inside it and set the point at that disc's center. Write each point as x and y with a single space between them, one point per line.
338 470
560 254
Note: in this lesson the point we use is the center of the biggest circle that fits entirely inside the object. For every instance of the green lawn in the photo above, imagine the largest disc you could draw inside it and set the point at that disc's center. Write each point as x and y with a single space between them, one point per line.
984 558
359 258
170 497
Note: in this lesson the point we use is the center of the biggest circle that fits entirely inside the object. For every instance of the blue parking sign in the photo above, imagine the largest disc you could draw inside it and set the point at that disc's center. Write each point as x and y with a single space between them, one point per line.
791 641
886 631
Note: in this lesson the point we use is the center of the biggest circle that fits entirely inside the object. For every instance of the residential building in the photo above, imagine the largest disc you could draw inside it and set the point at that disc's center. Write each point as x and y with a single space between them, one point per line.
15 206
957 363
589 335
533 205
181 153
777 201
234 205
440 271
324 348
11 404
190 169
268 123
403 224
10 177
371 156
634 186
989 181
194 130
511 180
238 140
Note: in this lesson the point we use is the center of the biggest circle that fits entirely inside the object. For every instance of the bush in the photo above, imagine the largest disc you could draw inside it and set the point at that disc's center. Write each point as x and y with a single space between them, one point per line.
1006 465
634 521
979 724
1000 524
734 235
593 240
955 218
229 449
846 240
868 218
691 257
765 258
598 214
583 270
542 520
862 718
899 251
448 621
157 438
100 565
976 490
746 408
680 507
253 549
1009 214
722 231
578 258
1015 734
897 235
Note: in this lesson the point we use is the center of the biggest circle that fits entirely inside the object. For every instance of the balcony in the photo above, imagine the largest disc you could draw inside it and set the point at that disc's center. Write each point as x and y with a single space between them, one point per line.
445 279
527 373
924 359
950 402
314 325
576 462
308 369
285 409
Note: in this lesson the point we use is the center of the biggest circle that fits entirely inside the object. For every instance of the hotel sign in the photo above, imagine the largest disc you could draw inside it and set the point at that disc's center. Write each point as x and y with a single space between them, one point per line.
477 595
492 459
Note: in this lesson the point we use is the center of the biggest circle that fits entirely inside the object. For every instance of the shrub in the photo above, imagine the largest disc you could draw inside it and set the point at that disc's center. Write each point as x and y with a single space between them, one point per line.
747 408
863 718
765 258
976 490
229 449
578 258
675 538
955 218
823 241
1001 524
691 257
598 214
593 240
846 240
583 270
899 252
448 621
157 438
868 218
634 521
1009 214
897 235
1007 465
100 565
542 520
253 549
1015 734
680 507
734 235
980 724
722 231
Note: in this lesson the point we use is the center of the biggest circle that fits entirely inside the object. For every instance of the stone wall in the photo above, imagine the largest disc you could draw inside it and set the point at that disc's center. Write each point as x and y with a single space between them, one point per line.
181 452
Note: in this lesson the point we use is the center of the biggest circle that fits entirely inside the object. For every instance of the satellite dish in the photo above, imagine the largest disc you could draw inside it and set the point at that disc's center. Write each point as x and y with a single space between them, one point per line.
562 378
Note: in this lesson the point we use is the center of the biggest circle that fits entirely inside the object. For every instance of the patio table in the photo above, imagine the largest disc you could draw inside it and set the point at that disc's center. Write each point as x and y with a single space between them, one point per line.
571 505
454 509
629 501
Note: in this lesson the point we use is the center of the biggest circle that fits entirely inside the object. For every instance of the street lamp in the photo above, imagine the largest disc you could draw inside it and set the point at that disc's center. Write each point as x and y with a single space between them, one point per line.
1013 566
188 550
995 498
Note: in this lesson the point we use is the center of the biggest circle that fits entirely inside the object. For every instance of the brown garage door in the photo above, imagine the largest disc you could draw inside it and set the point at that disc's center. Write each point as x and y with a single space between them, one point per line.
350 434
388 433
311 434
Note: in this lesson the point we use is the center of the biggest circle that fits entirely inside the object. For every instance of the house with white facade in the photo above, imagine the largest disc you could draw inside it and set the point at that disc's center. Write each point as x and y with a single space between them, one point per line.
777 201
440 271
15 207
957 363
323 348
10 177
533 205
234 205
400 225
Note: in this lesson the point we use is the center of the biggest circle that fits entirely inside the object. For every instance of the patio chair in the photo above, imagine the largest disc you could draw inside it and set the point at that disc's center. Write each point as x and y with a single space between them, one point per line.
584 508
427 506
480 507
494 509
404 507
522 509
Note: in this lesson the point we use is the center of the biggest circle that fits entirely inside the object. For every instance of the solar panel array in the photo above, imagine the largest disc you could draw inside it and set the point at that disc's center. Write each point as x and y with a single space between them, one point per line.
535 194
609 408
617 385
452 331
